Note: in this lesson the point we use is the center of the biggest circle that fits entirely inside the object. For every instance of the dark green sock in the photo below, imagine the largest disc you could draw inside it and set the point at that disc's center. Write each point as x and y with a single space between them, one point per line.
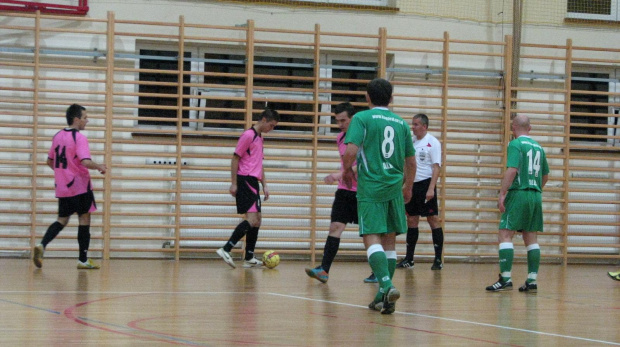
533 262
391 267
379 265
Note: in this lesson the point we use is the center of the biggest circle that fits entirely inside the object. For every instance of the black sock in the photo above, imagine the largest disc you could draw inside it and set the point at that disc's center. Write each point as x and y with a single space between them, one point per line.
250 242
237 235
83 241
51 233
438 242
329 253
412 241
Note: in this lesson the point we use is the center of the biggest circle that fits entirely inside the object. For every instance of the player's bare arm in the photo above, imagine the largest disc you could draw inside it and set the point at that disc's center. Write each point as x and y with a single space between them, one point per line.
410 168
234 167
335 176
265 189
89 164
431 188
509 176
348 175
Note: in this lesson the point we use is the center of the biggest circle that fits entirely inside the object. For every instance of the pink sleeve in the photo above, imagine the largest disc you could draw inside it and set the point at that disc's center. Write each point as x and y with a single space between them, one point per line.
244 143
82 151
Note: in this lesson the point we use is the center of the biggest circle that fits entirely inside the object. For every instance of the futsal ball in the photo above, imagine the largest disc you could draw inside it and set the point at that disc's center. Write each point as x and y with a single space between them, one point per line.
271 259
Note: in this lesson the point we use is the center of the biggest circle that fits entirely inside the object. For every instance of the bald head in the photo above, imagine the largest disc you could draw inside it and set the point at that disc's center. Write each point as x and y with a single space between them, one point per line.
521 121
521 125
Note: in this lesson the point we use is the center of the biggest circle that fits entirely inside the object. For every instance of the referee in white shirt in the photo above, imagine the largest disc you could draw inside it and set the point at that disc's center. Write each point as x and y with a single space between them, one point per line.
424 200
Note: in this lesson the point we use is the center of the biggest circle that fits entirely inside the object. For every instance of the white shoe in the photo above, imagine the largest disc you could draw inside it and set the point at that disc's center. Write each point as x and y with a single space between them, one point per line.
226 256
88 265
252 263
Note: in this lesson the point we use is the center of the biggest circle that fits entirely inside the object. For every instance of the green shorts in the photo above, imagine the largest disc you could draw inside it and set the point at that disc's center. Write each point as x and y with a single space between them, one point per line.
523 211
382 217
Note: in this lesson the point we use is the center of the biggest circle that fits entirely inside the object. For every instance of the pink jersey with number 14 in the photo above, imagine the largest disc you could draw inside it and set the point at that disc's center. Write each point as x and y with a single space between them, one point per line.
69 148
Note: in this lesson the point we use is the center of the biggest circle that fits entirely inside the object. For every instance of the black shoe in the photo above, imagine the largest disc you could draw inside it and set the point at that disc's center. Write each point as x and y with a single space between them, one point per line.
389 301
529 287
500 285
371 279
405 264
437 264
376 305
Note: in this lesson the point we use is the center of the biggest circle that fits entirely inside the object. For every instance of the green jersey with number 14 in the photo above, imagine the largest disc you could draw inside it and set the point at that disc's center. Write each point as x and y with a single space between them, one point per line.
384 141
529 158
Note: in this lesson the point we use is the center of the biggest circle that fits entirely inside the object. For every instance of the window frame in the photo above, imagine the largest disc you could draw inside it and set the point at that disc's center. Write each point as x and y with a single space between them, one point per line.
198 53
613 85
612 16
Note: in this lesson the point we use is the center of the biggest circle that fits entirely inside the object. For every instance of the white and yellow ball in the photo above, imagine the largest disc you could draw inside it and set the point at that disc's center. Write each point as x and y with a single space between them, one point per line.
271 259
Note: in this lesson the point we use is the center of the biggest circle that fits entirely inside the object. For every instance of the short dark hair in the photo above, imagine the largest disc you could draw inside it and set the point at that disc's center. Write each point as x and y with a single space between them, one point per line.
270 115
345 107
380 92
74 111
422 117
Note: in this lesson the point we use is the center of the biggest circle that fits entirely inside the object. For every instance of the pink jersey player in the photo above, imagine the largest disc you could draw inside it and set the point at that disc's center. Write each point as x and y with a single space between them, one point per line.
69 148
250 152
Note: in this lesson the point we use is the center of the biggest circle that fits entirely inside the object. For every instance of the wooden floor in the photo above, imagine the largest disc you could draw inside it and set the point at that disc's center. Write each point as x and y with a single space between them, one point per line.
206 303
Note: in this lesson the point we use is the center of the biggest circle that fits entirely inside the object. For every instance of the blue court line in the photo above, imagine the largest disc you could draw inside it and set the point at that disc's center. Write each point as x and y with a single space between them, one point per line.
30 306
126 328
133 330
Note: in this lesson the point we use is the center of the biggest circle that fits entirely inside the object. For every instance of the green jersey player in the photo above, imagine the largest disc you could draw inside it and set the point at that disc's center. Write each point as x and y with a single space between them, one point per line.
520 202
381 141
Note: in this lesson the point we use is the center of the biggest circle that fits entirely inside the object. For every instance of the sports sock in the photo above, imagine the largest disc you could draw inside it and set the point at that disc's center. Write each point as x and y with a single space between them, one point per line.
438 241
83 241
237 235
506 254
250 242
51 233
412 241
391 259
329 253
533 262
379 265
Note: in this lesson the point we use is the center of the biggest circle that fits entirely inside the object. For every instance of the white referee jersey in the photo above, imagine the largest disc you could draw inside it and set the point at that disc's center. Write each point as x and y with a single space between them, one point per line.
427 153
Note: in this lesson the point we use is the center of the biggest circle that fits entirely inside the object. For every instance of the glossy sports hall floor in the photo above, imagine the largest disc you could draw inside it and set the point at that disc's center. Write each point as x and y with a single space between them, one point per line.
206 303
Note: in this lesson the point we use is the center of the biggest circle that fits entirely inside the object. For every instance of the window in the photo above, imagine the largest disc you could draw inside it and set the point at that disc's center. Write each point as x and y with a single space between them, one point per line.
268 91
595 99
282 81
351 70
593 9
160 83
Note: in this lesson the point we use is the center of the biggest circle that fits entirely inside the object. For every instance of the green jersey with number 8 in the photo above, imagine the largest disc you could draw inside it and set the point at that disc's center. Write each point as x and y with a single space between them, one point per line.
529 158
384 141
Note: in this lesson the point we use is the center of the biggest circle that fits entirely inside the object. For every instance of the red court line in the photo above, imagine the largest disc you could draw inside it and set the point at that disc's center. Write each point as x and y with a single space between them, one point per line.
70 313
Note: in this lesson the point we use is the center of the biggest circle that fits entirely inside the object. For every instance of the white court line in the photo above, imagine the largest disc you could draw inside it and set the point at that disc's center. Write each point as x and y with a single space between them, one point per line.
457 320
328 302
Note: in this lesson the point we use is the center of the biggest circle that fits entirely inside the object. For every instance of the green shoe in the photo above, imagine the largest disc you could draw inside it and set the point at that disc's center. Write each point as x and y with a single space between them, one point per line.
371 279
318 273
